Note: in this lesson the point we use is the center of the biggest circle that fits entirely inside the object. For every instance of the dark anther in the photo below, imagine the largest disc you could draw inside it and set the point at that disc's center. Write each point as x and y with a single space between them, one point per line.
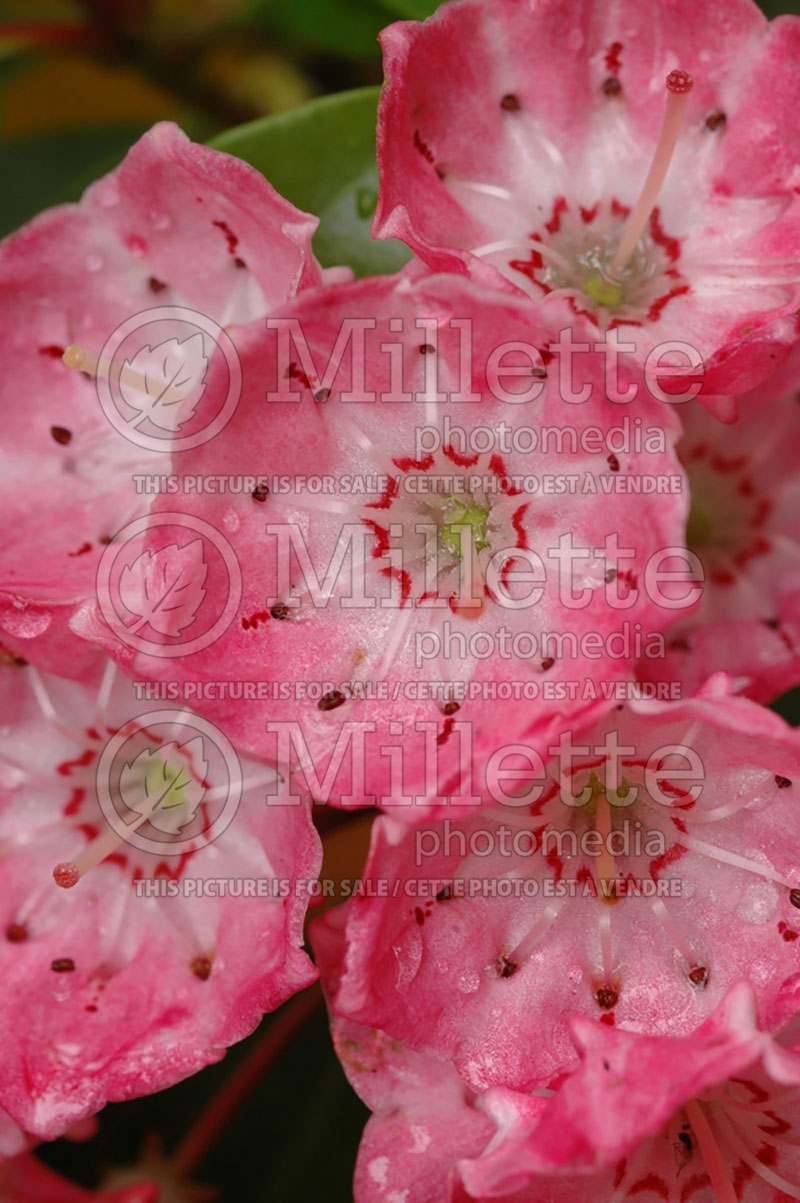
782 782
716 120
606 997
332 700
451 707
201 967
63 965
613 463
156 285
445 894
505 967
239 262
322 395
426 349
61 435
510 103
699 977
280 611
260 493
794 898
612 86
16 933
547 663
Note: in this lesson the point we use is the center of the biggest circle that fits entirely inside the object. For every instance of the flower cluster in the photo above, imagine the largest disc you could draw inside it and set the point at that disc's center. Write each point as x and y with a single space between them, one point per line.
505 546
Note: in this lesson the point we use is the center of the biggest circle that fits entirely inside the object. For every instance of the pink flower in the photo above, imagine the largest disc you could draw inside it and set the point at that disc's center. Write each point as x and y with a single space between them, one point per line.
629 882
681 1120
716 1114
514 141
418 643
743 526
176 225
149 963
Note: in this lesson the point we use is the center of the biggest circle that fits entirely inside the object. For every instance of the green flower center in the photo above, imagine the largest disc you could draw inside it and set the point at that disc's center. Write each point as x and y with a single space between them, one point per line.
462 519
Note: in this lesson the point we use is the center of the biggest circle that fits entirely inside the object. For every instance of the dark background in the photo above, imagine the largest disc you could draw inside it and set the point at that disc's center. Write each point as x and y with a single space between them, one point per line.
79 82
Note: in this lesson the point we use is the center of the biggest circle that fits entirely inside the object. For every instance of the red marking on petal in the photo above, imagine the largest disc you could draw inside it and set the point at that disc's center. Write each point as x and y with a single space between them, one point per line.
778 1127
694 1184
651 1182
406 464
613 60
381 538
462 461
588 215
445 733
387 496
251 623
52 351
295 372
659 863
497 466
559 208
423 147
82 550
231 238
75 802
403 579
173 871
556 864
672 246
620 210
516 522
658 306
65 768
608 1019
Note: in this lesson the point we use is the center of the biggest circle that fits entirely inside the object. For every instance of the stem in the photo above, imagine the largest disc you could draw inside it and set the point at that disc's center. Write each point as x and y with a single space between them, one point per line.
200 1138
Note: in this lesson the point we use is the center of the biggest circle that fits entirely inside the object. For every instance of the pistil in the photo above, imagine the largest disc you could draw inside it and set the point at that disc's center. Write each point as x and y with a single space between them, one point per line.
679 85
716 1164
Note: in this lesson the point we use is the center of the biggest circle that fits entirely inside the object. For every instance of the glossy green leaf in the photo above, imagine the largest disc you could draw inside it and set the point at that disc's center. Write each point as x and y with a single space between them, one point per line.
322 157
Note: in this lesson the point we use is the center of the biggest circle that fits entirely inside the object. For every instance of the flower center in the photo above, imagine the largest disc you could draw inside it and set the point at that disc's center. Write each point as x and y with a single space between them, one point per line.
463 521
619 259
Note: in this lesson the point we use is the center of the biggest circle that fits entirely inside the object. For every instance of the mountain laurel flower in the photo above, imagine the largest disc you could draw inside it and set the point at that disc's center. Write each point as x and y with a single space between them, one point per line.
444 549
633 879
743 528
176 225
633 165
127 968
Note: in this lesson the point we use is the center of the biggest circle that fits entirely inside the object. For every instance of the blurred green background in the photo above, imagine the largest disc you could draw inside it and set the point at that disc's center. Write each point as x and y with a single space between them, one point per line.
80 80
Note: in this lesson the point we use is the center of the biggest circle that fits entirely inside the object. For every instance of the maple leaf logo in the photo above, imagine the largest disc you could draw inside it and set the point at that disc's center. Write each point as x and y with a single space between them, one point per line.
164 589
166 784
158 379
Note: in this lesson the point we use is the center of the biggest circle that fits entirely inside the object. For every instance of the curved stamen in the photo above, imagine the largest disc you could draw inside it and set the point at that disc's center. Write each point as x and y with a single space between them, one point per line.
716 1164
679 85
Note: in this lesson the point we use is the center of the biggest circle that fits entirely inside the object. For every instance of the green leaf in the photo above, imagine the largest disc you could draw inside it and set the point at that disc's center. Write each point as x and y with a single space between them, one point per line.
47 169
322 158
347 28
416 10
